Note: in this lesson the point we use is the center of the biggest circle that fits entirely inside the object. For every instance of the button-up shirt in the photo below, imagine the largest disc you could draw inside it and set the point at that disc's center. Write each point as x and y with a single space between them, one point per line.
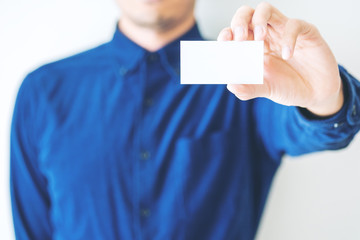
107 144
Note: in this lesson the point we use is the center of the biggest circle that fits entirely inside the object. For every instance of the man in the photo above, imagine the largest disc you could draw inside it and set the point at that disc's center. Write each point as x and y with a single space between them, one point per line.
108 145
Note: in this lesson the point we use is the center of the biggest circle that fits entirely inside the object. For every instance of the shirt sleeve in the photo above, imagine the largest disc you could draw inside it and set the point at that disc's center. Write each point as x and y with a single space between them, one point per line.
28 186
293 131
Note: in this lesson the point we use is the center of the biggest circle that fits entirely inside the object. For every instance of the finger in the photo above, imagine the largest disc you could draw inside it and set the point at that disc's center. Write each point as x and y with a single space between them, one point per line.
240 23
248 91
260 20
293 29
225 35
266 14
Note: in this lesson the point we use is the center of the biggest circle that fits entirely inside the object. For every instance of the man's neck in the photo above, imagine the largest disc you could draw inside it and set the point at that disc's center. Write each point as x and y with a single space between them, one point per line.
154 39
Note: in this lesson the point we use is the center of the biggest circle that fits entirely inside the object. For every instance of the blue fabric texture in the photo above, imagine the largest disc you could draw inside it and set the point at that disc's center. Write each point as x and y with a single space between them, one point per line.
107 144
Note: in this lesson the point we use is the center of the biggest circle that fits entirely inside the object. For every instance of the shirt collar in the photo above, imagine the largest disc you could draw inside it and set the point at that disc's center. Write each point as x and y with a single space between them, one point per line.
130 54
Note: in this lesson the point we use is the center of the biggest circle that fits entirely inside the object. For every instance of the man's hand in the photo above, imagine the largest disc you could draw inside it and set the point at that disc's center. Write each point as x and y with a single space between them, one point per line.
299 67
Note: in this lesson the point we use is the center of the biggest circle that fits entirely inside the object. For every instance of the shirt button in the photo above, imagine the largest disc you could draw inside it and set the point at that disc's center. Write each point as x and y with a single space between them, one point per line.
123 71
145 212
149 102
144 155
153 57
177 71
354 110
336 125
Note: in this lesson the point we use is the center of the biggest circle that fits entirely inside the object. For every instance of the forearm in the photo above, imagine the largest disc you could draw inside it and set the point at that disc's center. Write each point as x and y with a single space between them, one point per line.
295 131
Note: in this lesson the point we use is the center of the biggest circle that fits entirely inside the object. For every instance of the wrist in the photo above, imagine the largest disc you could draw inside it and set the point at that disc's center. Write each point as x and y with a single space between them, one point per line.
331 106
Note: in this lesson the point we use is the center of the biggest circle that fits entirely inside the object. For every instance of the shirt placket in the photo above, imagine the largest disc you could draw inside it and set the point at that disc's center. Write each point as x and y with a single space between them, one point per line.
145 153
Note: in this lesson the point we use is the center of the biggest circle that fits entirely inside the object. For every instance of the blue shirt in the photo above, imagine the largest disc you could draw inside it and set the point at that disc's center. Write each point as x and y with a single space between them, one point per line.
108 145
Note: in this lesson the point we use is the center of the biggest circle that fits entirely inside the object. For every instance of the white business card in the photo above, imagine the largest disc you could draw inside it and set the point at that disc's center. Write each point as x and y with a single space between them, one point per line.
215 62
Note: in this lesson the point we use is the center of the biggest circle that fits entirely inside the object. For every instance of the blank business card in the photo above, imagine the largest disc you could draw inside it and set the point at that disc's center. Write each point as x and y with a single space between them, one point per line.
213 62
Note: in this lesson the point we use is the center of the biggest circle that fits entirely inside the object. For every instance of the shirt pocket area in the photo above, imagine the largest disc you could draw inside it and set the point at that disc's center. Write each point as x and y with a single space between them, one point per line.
213 177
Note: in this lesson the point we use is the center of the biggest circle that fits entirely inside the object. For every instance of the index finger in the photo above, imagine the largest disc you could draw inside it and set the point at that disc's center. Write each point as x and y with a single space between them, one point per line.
240 23
265 14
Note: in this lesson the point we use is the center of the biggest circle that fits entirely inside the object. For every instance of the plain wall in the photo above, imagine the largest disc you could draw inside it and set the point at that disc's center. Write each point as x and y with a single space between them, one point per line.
316 196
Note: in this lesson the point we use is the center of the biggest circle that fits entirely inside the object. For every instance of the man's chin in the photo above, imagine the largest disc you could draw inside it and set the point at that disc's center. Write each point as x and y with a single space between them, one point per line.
151 1
161 24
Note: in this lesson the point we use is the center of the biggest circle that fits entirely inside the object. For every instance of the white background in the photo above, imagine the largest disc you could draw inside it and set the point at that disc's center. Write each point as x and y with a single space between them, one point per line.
313 197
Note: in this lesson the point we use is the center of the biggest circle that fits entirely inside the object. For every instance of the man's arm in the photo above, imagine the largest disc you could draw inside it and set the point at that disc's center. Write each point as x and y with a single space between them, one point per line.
295 131
300 72
29 196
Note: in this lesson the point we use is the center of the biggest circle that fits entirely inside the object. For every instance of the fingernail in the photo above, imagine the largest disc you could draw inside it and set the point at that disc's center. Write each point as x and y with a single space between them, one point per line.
258 33
286 53
238 33
231 88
